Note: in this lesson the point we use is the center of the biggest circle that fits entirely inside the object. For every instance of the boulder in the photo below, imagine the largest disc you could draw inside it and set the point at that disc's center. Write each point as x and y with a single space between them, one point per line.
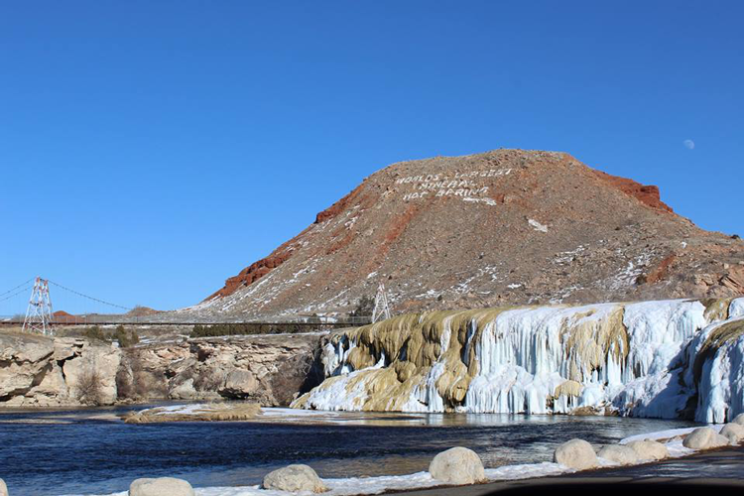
577 454
163 486
739 419
649 450
239 384
733 432
457 466
704 438
619 453
184 391
294 478
3 488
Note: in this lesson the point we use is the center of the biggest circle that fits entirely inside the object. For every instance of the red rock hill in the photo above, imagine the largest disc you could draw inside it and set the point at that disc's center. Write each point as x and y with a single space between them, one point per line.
497 228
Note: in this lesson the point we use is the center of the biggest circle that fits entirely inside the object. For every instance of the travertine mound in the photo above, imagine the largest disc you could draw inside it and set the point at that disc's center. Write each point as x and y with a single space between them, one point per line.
576 454
704 438
498 228
163 486
658 359
457 466
294 478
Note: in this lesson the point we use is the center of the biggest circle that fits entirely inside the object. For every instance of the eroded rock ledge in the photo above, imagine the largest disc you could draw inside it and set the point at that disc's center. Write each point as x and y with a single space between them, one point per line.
37 371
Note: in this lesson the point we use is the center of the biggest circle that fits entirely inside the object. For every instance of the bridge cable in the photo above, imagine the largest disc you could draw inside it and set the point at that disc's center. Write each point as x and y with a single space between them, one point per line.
13 289
16 293
90 297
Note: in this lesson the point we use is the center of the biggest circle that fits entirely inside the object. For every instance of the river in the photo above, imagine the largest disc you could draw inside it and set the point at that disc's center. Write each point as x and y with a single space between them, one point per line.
90 451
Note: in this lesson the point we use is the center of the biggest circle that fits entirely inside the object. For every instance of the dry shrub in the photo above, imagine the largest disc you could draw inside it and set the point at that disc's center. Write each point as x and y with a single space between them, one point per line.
90 387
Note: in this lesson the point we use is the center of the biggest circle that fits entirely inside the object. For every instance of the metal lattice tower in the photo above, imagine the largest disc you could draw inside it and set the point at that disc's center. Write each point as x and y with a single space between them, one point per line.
39 312
382 308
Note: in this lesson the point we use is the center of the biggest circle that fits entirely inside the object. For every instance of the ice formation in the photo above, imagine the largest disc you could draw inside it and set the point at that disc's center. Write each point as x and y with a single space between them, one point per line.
664 359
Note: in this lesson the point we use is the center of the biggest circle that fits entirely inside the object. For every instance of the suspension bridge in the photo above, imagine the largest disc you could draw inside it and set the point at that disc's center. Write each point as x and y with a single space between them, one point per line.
29 306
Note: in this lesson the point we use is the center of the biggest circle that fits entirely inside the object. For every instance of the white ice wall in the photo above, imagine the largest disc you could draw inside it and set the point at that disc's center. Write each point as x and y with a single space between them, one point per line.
523 356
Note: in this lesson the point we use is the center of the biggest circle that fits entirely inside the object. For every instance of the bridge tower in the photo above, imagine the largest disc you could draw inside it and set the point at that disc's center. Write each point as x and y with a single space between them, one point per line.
382 308
39 312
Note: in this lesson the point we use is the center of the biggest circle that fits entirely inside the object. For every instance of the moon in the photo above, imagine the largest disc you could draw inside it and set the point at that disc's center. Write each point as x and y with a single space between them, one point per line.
689 144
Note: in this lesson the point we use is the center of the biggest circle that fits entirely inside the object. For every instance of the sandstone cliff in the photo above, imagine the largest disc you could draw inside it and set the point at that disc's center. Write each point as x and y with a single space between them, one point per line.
40 371
37 371
270 370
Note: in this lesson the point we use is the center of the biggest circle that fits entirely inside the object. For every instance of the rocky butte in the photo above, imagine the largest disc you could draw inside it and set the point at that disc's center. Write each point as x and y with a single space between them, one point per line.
498 228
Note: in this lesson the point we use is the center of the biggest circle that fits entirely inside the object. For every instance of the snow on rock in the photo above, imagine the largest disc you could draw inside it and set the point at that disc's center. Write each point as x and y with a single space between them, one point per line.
457 466
377 485
161 487
538 226
577 454
294 478
659 435
704 438
737 308
620 454
649 450
733 432
646 359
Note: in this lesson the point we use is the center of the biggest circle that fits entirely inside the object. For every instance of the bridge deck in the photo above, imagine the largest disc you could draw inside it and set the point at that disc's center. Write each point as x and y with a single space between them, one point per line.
137 322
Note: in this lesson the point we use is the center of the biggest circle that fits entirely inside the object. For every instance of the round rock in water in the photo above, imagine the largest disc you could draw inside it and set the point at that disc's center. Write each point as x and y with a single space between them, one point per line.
294 478
733 432
704 438
163 486
576 454
619 453
649 450
457 466
3 488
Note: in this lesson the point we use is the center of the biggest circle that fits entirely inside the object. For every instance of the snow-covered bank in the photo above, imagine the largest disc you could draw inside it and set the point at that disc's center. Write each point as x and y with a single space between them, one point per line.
672 439
376 485
230 411
666 435
657 359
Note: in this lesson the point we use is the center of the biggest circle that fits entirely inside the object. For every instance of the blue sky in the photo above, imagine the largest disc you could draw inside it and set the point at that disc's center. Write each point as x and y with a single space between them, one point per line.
149 150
